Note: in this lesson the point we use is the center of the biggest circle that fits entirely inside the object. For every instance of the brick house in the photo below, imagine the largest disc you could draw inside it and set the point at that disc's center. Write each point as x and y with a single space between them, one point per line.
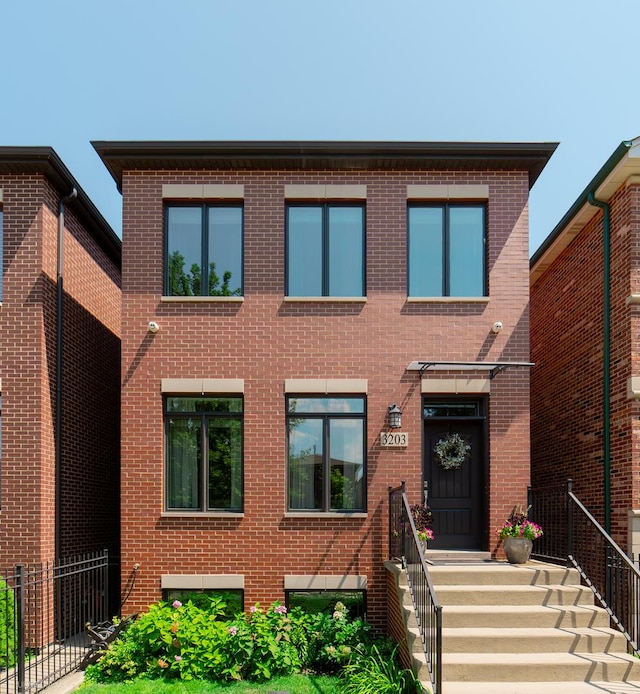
278 299
584 336
59 355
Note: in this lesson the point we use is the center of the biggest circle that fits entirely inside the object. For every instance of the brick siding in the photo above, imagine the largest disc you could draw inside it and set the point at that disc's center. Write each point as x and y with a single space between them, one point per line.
265 341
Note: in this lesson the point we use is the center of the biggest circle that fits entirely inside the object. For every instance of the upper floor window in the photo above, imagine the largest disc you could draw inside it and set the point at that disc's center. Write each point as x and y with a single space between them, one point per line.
326 458
203 452
447 250
203 255
325 250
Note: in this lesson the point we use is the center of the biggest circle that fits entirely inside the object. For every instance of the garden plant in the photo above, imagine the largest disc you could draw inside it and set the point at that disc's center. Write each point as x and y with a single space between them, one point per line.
192 640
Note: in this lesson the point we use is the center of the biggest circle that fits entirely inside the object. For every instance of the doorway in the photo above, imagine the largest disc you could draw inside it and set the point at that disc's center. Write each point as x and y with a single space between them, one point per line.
454 471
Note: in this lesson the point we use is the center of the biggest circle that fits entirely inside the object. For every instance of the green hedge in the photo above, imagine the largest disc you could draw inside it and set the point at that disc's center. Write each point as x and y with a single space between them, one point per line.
7 625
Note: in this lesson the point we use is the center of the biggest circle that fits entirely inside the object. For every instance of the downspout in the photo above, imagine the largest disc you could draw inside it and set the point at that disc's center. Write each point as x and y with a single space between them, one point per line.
59 345
606 368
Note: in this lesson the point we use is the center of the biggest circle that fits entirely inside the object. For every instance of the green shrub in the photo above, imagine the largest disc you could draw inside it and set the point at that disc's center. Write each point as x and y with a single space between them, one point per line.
7 625
373 672
191 642
333 638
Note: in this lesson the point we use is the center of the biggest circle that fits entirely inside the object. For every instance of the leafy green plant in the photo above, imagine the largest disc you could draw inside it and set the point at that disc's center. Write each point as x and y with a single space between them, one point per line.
373 672
7 625
518 525
333 638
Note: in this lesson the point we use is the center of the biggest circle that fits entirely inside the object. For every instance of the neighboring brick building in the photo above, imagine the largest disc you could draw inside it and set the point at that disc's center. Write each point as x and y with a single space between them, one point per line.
268 328
568 344
56 500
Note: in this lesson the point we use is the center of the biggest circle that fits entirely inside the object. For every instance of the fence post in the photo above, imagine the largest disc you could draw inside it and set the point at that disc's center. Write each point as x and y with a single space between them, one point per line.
569 522
106 600
20 631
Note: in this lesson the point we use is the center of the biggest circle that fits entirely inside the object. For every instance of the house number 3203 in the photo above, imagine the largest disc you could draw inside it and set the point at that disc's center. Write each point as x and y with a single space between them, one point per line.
394 439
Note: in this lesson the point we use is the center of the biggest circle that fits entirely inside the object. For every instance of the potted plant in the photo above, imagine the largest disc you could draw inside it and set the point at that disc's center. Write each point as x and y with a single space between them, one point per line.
423 520
518 533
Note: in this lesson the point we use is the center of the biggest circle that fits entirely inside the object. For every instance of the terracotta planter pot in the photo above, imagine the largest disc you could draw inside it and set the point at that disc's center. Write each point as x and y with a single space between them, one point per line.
517 549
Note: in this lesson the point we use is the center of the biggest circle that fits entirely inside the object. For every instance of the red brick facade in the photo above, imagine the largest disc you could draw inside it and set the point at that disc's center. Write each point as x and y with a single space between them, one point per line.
89 473
265 340
567 328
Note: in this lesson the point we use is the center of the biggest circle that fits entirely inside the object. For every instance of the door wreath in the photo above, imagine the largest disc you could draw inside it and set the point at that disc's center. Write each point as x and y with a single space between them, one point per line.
451 451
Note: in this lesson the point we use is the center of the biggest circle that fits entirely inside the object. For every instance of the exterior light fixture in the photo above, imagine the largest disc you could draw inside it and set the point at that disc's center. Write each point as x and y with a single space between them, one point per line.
395 417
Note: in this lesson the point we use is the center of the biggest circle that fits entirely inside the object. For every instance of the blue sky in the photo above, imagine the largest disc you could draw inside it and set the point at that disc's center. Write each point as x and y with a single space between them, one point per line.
453 70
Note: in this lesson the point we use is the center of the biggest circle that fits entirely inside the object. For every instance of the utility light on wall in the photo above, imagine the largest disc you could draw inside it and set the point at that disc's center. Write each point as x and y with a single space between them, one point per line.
395 416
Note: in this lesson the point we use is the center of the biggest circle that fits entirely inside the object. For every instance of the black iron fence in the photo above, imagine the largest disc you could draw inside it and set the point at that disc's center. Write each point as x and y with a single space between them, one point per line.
404 545
43 612
573 536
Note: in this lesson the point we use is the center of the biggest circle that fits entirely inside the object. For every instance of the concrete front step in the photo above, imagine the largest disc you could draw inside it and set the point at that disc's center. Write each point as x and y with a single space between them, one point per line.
500 573
536 667
513 595
543 687
540 640
524 616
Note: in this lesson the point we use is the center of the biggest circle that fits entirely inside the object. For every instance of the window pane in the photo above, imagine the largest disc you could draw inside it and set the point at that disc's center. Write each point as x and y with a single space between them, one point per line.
225 464
305 464
183 463
346 437
305 251
204 405
460 409
184 251
346 251
426 251
313 602
225 251
466 251
328 405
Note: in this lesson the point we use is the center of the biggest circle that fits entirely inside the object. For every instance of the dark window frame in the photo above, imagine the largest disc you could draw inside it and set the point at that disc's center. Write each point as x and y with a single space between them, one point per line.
446 207
204 243
326 455
325 207
338 596
203 473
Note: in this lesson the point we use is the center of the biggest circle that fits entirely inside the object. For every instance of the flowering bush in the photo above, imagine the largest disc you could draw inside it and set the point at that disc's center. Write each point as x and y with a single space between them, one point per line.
190 642
518 525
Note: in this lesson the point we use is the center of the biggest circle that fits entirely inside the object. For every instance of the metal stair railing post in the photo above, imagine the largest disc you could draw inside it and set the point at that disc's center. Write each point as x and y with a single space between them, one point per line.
428 610
569 522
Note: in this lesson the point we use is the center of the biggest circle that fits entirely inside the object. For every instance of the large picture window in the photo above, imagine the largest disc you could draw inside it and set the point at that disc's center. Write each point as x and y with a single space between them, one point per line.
447 250
203 250
203 453
325 250
326 462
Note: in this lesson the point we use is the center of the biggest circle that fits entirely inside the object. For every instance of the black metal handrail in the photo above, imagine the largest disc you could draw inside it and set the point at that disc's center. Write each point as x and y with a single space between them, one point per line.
405 545
573 536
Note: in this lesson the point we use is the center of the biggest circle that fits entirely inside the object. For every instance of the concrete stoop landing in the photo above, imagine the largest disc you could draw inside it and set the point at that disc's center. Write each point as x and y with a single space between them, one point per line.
526 629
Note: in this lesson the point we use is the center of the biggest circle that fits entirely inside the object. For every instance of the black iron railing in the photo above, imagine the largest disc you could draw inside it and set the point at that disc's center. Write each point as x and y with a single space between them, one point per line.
404 545
573 536
43 612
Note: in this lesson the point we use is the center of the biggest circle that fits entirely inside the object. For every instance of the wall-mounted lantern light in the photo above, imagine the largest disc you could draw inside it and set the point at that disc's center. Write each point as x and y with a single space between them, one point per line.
395 416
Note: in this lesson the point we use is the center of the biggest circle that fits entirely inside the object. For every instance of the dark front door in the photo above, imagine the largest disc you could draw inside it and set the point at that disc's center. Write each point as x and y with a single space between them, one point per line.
455 492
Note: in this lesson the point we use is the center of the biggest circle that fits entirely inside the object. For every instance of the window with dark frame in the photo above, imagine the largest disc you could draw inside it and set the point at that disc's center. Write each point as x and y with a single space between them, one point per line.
326 453
447 250
233 599
203 250
328 601
325 248
204 453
